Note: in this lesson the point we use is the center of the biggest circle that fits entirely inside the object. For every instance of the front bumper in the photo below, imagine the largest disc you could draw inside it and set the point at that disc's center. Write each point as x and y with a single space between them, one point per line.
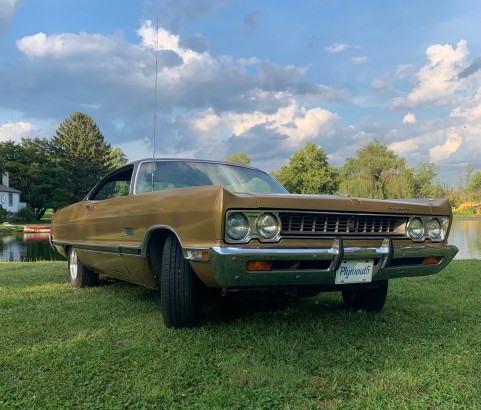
308 266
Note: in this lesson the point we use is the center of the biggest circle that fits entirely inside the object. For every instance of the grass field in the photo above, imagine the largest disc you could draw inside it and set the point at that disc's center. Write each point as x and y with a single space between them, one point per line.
106 347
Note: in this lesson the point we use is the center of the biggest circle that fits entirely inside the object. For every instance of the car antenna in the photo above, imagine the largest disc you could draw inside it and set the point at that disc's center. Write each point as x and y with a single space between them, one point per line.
155 100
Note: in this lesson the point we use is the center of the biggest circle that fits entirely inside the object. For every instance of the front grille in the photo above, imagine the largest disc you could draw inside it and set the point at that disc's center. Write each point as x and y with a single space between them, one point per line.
297 224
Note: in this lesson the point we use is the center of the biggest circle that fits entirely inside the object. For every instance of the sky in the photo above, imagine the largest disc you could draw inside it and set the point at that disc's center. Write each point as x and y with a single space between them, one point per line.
264 77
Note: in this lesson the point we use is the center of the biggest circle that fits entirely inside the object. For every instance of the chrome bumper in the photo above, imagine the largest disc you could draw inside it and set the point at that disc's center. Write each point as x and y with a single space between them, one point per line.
229 263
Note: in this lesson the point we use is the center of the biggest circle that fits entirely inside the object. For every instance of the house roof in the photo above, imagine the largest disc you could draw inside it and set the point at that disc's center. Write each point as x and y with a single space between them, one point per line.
4 188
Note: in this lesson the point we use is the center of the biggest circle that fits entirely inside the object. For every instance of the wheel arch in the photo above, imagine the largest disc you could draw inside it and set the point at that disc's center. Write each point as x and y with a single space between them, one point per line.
154 245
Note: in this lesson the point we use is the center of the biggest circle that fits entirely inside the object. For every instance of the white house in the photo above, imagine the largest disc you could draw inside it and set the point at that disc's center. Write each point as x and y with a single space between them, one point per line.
10 197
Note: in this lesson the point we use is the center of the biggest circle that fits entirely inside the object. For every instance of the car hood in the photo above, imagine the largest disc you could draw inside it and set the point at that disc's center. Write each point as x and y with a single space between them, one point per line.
350 204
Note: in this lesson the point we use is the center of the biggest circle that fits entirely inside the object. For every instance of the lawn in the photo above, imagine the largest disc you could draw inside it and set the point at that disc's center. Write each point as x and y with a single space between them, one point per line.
106 347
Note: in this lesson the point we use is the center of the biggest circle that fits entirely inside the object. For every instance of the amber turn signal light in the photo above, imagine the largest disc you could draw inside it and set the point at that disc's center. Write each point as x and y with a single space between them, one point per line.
432 260
259 265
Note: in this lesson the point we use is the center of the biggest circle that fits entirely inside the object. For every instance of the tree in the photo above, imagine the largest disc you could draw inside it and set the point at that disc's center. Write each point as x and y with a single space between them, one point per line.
79 148
376 172
474 187
31 172
240 158
308 172
422 177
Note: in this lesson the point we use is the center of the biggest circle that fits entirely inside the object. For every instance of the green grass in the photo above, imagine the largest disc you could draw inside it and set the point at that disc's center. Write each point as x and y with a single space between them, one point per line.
47 216
8 229
106 347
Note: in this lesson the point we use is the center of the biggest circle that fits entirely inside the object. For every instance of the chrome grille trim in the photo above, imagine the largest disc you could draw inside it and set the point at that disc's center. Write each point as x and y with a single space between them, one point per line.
297 224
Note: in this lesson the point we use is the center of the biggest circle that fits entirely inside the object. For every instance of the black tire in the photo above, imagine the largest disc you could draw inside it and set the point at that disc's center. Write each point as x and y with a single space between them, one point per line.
79 275
370 298
179 288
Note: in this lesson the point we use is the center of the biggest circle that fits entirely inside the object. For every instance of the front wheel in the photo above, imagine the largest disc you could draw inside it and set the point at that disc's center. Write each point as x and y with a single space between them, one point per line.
370 298
79 275
179 288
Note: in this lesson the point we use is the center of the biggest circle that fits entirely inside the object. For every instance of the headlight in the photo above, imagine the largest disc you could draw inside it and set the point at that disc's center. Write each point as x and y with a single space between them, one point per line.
433 229
416 229
237 226
267 226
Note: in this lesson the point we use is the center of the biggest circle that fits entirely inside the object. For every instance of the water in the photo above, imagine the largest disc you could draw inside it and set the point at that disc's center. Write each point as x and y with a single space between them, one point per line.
465 234
26 247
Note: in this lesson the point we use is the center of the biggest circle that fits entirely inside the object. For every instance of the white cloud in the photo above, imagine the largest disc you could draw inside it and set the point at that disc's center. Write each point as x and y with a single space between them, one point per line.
438 80
405 147
409 118
469 109
207 121
450 146
65 45
337 48
294 121
15 131
359 60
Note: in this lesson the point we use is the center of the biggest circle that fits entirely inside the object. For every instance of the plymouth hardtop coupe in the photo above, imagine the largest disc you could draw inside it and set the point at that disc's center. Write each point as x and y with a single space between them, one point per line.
187 225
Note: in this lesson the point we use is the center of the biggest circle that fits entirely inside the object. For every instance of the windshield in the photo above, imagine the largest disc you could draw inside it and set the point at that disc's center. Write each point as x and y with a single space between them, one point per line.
181 174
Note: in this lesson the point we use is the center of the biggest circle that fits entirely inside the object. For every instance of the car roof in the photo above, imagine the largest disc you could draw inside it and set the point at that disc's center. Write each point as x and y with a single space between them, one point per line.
140 161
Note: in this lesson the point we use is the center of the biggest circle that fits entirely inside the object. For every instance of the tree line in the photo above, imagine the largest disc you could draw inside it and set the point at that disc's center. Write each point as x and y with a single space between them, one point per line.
60 171
374 171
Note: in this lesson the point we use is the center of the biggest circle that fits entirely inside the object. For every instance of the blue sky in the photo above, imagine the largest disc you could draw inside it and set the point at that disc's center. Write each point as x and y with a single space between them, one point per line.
261 77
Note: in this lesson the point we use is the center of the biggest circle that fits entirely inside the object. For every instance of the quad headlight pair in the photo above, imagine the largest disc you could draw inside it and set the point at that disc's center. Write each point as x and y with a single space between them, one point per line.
242 227
433 228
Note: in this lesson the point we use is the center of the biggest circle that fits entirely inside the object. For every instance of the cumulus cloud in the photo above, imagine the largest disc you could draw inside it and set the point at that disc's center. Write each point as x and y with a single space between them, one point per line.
473 68
409 118
15 131
438 80
204 102
450 146
405 147
293 121
210 106
61 46
469 110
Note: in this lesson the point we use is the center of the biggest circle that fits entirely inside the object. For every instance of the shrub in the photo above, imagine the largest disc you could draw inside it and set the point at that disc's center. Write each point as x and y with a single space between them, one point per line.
3 214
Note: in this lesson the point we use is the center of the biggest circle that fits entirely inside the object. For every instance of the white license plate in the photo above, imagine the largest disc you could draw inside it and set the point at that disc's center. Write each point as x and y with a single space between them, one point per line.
355 271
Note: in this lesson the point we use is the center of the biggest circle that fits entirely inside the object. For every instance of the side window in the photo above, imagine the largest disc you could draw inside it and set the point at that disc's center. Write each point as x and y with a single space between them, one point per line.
117 185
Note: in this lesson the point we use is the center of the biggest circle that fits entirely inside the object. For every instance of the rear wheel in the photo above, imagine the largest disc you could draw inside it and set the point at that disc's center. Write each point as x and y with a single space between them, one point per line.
79 275
369 299
179 288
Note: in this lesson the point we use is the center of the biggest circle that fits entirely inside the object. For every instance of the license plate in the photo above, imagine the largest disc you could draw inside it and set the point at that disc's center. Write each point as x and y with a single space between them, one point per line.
355 271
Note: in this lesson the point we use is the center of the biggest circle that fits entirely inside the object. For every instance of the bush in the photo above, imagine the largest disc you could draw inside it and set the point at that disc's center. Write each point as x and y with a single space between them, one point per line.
3 214
26 215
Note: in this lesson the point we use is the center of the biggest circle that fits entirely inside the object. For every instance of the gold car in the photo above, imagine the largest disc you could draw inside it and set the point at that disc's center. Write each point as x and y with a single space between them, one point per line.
181 225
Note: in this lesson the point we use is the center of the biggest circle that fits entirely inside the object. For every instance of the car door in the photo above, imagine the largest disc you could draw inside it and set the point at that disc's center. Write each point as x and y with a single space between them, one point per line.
102 232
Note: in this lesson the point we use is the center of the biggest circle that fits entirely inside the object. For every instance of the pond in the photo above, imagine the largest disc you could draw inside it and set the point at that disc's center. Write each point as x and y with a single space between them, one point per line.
26 247
465 234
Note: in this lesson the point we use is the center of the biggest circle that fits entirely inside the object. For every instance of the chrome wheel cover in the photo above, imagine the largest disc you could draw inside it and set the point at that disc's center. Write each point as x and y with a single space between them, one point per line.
72 264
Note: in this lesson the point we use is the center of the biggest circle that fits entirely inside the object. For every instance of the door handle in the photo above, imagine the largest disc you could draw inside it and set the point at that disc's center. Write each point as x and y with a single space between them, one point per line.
90 207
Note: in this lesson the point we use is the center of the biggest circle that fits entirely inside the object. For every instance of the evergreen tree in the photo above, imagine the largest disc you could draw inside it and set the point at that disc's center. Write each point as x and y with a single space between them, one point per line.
79 148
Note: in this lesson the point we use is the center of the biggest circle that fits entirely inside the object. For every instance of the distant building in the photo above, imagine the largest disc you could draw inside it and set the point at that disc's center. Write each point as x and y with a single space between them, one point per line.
10 197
